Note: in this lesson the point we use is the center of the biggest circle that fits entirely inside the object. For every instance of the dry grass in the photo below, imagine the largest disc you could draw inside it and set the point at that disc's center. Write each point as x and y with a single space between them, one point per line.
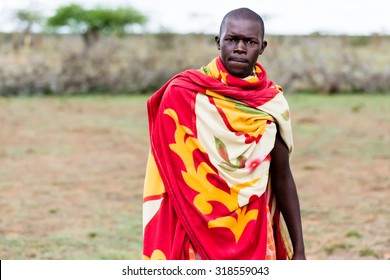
142 63
71 176
341 166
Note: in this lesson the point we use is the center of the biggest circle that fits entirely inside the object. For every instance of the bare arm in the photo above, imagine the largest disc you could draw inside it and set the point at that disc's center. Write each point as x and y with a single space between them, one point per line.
286 195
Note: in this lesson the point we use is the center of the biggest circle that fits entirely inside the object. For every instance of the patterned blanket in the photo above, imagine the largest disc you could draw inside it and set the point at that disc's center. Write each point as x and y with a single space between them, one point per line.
207 189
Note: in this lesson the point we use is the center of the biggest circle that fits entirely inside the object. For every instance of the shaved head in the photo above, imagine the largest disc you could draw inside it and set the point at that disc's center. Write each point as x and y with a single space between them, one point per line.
242 14
241 41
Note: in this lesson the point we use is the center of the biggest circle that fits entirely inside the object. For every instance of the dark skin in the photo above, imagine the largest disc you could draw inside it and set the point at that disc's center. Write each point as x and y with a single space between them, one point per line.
240 43
286 195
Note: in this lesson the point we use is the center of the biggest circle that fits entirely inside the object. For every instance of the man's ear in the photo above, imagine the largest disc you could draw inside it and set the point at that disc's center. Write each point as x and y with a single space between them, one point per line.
263 46
217 42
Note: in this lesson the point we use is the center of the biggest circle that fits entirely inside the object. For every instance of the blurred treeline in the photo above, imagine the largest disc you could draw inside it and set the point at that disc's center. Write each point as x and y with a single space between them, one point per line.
45 64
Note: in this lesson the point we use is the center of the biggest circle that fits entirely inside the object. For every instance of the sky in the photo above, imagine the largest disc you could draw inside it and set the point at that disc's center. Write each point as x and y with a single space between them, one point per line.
351 17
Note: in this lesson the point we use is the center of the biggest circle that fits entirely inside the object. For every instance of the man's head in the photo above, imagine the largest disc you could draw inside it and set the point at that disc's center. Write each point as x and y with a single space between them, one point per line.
241 41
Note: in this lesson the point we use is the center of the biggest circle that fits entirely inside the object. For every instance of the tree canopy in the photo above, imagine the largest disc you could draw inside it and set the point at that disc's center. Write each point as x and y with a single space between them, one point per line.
90 23
28 18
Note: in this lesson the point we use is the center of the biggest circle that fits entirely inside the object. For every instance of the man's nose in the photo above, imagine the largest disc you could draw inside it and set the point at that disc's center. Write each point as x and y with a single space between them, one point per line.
240 46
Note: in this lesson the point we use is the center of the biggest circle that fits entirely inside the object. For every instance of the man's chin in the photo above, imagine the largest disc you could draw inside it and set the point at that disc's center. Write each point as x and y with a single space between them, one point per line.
239 69
240 73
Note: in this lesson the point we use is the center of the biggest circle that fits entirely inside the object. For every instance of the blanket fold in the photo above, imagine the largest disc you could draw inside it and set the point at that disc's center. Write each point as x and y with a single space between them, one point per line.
207 186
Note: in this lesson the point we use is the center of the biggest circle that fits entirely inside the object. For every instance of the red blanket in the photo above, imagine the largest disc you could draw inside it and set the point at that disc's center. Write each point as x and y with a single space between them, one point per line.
207 181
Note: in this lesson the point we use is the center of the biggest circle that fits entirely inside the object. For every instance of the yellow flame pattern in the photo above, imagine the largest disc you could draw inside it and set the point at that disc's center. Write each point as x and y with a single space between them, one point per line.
196 178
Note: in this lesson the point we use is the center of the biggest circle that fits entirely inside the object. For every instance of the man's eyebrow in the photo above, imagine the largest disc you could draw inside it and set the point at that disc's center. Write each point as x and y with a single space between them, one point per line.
241 36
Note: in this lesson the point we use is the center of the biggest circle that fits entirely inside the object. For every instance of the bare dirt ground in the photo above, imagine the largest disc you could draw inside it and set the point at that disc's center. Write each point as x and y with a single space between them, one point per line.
71 176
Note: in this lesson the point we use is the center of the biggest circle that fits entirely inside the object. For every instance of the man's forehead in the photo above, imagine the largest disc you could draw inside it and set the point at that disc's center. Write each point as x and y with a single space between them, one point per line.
242 26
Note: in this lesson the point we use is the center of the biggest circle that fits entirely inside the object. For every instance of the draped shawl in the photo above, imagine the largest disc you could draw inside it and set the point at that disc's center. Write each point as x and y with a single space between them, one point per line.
207 183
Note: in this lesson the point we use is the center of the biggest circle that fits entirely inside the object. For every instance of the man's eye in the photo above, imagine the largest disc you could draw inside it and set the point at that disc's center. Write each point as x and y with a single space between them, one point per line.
251 42
231 39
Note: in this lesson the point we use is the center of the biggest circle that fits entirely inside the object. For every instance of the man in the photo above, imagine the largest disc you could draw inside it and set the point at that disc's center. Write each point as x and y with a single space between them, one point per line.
218 182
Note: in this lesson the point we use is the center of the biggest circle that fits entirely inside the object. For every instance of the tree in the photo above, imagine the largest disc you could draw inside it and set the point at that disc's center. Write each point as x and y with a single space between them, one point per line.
91 23
27 19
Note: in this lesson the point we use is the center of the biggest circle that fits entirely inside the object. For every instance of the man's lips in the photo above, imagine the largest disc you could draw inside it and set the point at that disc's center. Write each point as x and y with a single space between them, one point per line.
238 59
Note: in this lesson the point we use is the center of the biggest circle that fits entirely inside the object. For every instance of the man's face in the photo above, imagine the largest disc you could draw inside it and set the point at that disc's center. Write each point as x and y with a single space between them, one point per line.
240 43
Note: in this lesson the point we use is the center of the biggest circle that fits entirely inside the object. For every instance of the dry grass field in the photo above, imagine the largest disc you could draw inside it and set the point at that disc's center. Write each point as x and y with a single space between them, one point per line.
72 168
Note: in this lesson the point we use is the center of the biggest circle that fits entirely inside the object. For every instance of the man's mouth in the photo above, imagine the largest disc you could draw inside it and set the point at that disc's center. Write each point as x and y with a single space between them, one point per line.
238 59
